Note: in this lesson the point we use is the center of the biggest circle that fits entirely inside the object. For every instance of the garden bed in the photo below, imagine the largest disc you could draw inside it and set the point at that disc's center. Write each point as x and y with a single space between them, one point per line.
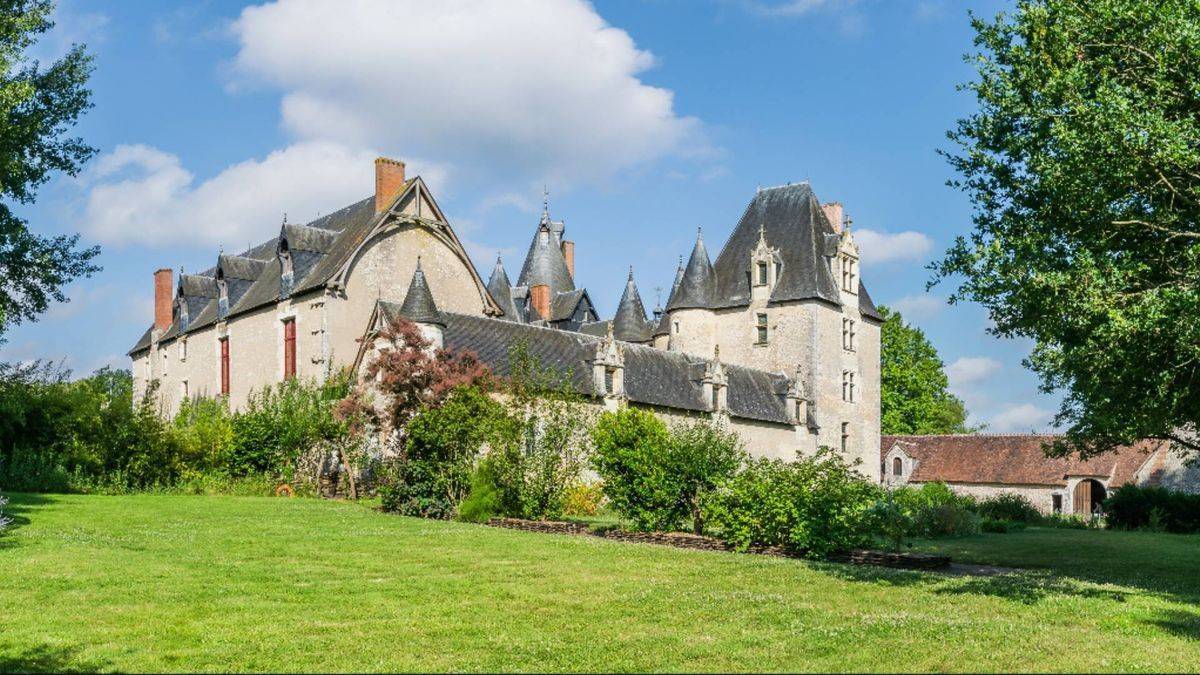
902 560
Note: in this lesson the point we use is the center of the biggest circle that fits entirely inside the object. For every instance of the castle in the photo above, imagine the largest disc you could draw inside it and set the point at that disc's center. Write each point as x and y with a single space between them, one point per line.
777 338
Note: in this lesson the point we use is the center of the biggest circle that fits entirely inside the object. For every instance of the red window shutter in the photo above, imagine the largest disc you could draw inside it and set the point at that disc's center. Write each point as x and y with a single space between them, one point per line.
289 349
225 366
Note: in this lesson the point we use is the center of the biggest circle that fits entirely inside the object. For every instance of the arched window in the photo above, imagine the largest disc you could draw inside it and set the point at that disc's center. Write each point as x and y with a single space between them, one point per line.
897 467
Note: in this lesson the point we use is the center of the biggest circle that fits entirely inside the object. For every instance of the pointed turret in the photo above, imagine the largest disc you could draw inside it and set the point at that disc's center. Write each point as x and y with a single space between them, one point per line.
545 264
697 288
501 289
664 322
629 323
419 306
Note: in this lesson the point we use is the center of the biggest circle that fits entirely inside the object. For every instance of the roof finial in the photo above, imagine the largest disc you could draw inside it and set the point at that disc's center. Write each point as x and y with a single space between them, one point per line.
717 353
846 221
285 217
680 261
545 200
762 233
699 235
631 272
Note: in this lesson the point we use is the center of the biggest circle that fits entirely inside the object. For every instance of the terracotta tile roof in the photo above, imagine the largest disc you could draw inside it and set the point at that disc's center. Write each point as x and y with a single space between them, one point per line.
1012 459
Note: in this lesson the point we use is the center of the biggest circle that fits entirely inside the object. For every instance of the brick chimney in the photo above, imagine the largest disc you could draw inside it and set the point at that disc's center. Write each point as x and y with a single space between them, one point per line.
163 294
833 211
568 249
389 179
539 298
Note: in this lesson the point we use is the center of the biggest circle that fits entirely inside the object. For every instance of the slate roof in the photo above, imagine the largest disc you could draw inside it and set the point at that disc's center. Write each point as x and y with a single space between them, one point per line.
545 263
500 289
1011 459
664 322
697 287
652 376
630 323
418 304
253 278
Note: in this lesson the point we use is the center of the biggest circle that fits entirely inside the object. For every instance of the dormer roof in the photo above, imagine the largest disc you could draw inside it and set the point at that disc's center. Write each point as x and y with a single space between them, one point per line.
501 290
419 306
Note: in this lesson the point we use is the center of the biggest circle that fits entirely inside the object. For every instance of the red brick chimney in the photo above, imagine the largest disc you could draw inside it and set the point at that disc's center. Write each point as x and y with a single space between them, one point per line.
539 298
389 179
833 211
163 294
568 249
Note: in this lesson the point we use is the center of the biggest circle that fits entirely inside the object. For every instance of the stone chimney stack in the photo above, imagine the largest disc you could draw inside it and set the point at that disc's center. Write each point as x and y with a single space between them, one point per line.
539 298
835 214
568 249
163 295
389 179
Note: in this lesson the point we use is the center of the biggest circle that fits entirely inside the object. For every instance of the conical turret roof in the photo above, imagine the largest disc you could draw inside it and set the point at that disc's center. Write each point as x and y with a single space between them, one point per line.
629 323
419 306
501 289
545 262
664 322
697 288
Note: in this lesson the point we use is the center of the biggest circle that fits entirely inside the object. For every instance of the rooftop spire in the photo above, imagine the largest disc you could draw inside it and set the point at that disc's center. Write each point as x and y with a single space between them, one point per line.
697 286
419 306
629 323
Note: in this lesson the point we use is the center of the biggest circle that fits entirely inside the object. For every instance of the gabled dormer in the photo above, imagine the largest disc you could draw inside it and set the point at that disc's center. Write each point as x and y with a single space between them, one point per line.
765 267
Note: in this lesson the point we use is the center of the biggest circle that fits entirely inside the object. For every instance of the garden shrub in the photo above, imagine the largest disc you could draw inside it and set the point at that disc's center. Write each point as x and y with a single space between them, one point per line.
1000 525
483 501
433 474
1131 507
936 511
583 499
282 422
816 506
892 519
1009 506
657 477
5 521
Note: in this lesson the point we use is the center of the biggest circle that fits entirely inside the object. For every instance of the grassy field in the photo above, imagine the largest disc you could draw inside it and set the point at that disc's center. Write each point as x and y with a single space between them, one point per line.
225 583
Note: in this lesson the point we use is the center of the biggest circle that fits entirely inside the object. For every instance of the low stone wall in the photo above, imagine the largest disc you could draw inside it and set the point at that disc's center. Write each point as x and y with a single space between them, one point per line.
914 561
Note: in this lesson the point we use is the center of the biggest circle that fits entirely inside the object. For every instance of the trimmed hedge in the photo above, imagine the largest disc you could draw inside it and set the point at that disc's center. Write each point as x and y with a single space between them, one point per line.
1153 508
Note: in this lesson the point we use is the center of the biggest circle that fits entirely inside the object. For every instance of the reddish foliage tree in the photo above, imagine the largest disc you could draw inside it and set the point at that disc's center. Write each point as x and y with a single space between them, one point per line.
410 376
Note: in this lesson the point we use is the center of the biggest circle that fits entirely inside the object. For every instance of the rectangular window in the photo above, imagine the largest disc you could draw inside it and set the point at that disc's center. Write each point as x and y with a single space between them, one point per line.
845 437
183 349
676 328
853 333
1056 500
225 366
761 328
289 349
609 375
762 274
716 398
845 333
848 386
183 390
845 273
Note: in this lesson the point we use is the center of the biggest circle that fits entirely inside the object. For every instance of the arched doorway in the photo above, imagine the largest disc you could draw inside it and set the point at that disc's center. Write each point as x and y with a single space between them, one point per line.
1089 495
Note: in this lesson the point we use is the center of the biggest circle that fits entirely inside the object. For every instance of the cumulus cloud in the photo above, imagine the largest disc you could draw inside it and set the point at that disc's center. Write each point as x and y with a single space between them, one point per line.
919 306
518 89
1021 418
881 247
143 195
969 370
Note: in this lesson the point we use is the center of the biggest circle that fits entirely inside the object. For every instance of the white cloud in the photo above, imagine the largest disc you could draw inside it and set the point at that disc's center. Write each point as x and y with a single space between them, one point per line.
1021 418
881 247
971 369
71 27
919 306
143 195
524 90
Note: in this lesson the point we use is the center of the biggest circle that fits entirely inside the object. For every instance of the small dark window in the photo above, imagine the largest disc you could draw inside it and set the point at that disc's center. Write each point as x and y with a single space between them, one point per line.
608 380
1056 501
716 398
845 436
762 329
762 274
897 467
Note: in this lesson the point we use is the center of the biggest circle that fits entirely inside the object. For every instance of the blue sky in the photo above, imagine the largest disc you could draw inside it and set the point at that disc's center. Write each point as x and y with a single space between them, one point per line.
645 119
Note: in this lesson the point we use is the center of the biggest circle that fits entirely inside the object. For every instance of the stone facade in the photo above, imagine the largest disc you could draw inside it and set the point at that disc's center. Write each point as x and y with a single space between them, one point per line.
791 363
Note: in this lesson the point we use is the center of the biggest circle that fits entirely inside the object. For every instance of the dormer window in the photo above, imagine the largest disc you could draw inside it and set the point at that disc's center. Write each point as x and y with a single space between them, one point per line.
544 236
762 273
222 293
610 375
897 467
286 273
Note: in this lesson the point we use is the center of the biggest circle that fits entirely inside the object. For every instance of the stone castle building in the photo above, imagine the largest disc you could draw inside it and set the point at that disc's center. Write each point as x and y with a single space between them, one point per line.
777 338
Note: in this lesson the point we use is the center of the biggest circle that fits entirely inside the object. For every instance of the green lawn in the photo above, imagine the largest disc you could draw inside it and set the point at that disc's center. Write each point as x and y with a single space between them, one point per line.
224 583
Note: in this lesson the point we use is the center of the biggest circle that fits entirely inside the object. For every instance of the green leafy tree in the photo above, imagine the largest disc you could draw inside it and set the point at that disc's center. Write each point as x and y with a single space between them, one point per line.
915 396
38 105
1083 165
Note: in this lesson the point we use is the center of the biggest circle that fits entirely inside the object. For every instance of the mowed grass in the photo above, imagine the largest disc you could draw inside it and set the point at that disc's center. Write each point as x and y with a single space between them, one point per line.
225 583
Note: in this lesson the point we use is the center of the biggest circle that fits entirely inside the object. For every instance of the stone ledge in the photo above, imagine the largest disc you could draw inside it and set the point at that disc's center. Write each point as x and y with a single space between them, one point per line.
902 560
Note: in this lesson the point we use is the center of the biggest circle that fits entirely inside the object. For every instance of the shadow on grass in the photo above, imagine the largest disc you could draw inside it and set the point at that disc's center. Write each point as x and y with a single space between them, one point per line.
1026 587
1179 622
21 506
47 659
